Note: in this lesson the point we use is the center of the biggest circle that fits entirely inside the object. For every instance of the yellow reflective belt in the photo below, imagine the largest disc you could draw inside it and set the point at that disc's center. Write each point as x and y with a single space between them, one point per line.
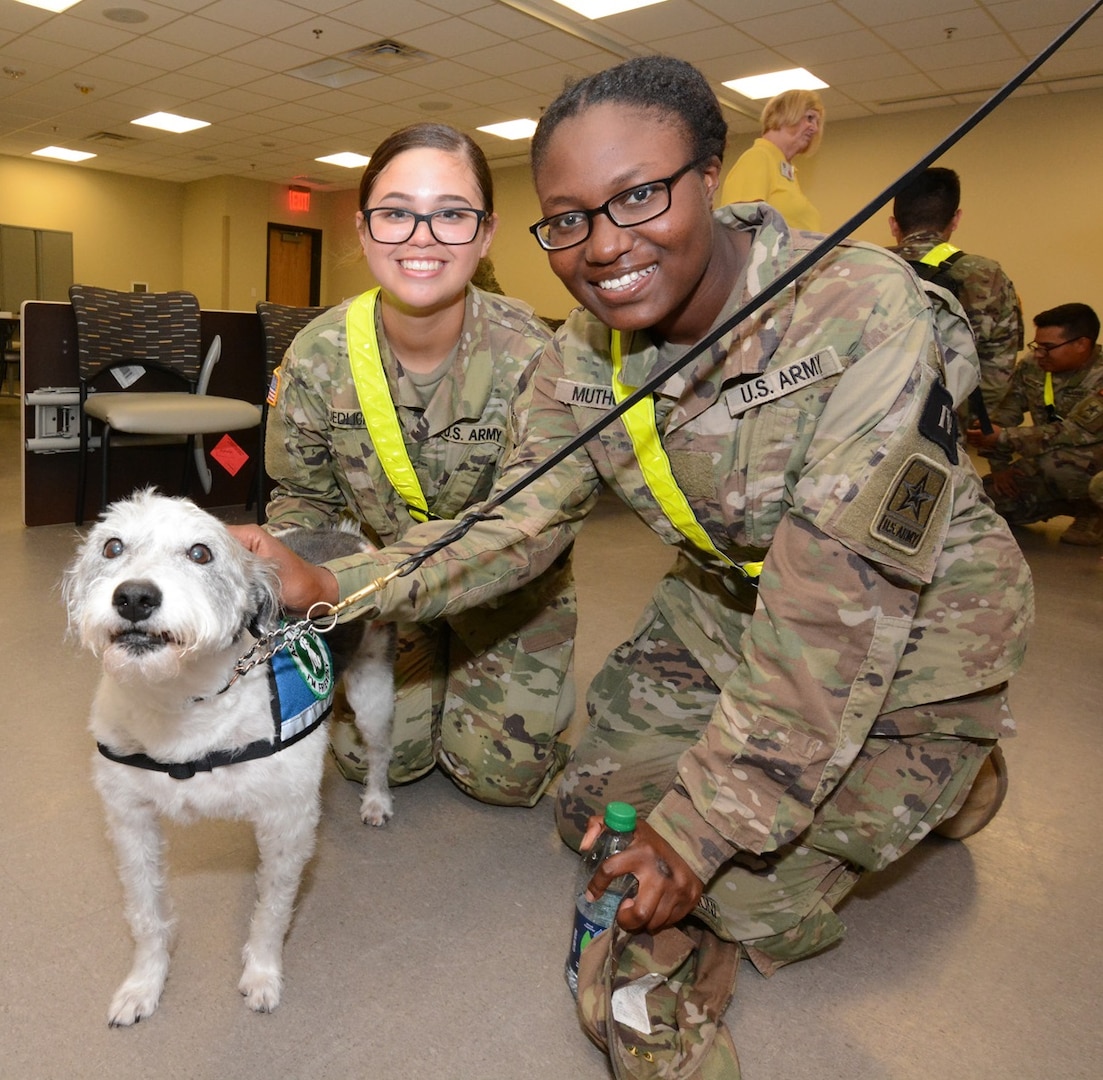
1047 389
939 254
639 422
380 417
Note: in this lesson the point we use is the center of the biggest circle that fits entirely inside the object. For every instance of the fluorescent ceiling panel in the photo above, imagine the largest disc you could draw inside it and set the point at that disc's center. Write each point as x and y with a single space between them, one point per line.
170 122
62 154
511 129
775 82
598 9
347 160
50 5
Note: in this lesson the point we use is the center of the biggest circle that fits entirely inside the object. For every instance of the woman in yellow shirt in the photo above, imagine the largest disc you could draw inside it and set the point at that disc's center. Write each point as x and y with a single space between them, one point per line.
792 124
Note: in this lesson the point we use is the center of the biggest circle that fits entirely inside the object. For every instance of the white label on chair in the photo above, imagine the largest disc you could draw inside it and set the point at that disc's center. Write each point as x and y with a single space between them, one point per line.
128 375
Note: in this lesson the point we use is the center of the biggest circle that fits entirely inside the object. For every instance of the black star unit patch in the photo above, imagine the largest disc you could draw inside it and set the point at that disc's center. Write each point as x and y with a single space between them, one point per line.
905 513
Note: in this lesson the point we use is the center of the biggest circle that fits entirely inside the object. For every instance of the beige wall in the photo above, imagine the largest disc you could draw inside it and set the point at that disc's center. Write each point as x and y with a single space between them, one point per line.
521 267
1029 176
348 272
124 229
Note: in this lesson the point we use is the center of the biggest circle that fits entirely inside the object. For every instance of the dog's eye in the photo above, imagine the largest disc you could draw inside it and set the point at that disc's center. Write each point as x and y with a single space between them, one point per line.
200 553
113 548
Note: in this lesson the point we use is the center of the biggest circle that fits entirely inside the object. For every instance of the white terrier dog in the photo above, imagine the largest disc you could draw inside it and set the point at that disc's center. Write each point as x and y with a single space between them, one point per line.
169 601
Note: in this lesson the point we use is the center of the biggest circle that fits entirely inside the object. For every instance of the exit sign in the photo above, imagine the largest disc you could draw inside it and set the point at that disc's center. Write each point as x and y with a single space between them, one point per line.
298 200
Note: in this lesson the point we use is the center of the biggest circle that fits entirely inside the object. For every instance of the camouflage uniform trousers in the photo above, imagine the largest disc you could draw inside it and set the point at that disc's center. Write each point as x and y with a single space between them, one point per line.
482 697
652 700
1049 485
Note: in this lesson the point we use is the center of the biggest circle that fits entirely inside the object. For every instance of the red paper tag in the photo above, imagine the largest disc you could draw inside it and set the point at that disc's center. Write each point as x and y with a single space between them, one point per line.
229 455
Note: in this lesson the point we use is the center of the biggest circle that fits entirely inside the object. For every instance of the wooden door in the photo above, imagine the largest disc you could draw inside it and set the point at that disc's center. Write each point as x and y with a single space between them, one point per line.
294 265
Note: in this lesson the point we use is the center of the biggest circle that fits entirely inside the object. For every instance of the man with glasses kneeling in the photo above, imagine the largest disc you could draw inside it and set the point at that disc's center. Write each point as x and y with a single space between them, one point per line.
1043 470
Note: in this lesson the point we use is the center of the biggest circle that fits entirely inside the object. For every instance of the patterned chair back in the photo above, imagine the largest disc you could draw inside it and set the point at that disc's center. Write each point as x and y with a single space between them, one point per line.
279 325
158 329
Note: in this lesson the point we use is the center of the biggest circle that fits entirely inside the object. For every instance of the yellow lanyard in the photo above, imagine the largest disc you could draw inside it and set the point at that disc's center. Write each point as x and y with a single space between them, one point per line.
1048 399
380 417
639 422
939 254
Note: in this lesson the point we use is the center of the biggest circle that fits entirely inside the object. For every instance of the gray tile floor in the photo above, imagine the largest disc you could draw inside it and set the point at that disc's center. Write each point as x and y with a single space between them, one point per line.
433 948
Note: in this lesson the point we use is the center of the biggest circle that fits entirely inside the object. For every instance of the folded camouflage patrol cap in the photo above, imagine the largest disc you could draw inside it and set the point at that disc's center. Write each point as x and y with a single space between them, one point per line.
655 1003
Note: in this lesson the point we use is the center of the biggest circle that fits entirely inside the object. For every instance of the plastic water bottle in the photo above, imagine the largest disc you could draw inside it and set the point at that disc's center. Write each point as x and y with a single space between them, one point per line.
592 917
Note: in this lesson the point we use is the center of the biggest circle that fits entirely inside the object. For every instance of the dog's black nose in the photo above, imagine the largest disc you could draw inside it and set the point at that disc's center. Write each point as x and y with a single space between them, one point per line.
135 601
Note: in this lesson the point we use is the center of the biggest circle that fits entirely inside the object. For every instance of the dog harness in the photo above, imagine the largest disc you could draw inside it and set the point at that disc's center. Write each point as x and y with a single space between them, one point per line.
300 693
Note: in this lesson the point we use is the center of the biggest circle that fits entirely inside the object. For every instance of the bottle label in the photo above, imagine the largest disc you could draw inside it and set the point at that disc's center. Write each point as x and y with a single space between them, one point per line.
585 930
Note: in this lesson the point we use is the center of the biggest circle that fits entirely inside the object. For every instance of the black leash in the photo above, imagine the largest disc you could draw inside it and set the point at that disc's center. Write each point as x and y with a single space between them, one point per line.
782 281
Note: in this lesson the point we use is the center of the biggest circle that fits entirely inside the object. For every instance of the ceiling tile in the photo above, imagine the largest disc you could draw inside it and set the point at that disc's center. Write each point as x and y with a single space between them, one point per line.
227 61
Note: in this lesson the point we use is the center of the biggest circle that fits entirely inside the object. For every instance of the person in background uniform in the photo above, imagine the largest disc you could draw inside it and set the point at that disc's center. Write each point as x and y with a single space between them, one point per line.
1044 469
392 408
822 674
924 217
792 124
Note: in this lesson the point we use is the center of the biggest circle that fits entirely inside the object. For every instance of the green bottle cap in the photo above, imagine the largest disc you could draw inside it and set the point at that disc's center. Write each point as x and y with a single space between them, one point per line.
620 816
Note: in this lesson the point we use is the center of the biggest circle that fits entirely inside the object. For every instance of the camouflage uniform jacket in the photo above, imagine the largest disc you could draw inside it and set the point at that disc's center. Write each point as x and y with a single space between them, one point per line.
991 305
1077 400
888 580
319 451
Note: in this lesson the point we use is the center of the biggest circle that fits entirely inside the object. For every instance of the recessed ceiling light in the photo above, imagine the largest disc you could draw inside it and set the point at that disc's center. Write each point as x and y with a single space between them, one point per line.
170 122
775 82
347 160
50 5
62 154
598 9
511 129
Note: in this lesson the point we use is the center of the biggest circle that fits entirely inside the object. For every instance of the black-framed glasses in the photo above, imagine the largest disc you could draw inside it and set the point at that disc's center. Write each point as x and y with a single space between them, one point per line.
1038 346
633 206
451 225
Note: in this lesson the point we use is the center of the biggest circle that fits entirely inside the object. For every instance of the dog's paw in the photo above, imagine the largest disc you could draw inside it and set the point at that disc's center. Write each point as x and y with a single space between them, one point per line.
376 807
133 1001
261 988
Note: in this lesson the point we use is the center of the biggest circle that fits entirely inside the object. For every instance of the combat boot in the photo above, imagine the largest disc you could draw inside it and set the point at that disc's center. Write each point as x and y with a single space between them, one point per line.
983 801
1086 529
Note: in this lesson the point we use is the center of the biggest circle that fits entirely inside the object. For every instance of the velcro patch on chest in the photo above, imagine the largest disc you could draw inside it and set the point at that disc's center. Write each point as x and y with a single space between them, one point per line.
474 433
906 512
586 395
756 391
346 418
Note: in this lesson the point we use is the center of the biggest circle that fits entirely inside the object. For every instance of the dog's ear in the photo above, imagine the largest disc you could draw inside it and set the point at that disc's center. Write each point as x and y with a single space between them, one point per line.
264 600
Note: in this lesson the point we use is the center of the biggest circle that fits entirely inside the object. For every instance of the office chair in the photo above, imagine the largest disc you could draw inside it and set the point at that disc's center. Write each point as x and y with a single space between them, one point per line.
126 334
279 323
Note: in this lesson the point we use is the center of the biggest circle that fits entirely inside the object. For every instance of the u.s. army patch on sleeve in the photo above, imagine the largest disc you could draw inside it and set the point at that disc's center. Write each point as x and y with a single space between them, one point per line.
905 513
